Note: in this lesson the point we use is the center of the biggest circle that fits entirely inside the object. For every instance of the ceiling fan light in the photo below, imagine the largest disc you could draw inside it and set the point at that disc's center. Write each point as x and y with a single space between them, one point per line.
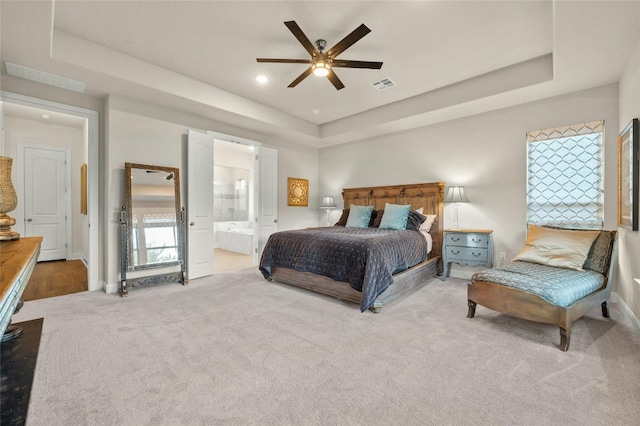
321 69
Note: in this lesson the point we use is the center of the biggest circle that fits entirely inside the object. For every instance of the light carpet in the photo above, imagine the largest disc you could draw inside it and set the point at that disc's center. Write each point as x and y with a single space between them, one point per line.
232 349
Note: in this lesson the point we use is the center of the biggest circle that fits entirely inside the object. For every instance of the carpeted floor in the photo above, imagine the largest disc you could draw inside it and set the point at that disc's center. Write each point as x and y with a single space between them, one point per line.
232 349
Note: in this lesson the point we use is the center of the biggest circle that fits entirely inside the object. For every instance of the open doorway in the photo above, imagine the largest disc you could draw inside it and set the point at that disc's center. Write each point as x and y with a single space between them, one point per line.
23 116
233 205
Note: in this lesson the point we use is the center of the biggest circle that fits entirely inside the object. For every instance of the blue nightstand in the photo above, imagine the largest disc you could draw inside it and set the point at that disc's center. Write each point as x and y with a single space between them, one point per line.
467 247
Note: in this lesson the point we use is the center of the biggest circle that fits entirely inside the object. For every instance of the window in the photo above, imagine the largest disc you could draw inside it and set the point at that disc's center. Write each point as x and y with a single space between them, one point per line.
565 184
157 241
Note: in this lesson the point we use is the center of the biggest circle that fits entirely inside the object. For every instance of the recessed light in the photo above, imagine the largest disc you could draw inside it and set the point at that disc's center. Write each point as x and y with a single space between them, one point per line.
315 111
45 116
262 79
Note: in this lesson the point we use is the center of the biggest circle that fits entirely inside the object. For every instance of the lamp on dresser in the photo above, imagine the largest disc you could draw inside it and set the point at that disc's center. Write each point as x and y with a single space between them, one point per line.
455 195
8 200
328 204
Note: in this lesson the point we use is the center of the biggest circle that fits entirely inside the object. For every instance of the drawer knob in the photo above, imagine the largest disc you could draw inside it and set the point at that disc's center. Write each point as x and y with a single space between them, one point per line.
455 239
455 251
476 254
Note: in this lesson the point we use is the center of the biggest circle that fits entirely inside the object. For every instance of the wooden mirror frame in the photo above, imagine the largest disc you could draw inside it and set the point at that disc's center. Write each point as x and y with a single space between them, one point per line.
126 220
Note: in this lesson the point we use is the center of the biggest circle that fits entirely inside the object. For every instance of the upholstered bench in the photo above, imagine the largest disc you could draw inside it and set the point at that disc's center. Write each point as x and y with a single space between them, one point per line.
556 279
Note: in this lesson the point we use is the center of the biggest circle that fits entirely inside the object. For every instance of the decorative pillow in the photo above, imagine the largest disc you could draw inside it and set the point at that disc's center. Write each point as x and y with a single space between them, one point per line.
600 252
359 216
414 220
374 217
554 247
395 216
343 219
599 256
428 223
376 222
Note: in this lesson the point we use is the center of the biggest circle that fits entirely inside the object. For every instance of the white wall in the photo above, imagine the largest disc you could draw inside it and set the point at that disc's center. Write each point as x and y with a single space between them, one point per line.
485 153
19 130
628 241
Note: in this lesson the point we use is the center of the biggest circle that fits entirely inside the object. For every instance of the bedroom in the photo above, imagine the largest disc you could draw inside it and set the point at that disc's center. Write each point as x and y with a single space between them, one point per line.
482 150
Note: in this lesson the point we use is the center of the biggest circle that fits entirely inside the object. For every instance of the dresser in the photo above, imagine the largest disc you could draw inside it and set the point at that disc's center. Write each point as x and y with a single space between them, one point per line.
467 247
17 260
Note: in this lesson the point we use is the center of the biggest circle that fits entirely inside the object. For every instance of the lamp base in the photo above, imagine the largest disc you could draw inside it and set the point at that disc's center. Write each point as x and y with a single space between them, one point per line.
5 228
328 217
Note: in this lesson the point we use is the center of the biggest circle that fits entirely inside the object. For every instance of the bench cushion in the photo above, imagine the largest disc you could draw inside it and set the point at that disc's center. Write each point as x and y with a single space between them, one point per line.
558 286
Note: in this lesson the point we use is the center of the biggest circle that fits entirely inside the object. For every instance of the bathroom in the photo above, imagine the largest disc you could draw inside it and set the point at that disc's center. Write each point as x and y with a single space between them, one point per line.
233 201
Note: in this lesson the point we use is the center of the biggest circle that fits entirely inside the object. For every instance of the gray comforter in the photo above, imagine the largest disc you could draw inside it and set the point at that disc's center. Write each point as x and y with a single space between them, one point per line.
366 258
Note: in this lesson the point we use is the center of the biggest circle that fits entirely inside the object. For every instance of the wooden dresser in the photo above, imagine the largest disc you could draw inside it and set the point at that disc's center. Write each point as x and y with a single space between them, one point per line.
17 260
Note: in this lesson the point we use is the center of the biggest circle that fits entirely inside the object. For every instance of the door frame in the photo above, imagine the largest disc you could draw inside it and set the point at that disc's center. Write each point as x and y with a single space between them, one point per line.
93 175
21 188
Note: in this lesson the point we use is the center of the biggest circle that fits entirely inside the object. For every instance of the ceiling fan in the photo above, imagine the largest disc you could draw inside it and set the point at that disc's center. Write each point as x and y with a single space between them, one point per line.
322 62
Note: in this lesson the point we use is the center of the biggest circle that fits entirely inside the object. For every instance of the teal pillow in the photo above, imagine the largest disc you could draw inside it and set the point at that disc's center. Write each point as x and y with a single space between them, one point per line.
395 216
359 217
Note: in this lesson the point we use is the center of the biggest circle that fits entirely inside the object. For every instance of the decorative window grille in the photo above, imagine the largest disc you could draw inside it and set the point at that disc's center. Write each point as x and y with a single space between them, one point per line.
565 184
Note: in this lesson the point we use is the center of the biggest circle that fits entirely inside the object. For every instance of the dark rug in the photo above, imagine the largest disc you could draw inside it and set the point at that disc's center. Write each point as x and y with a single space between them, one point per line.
17 367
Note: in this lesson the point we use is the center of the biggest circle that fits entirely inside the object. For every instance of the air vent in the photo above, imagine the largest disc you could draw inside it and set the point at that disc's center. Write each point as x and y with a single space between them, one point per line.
45 78
383 84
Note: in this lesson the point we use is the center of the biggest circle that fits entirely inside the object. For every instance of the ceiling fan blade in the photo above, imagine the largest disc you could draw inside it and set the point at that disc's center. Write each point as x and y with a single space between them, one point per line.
285 61
302 38
343 44
333 78
339 63
301 77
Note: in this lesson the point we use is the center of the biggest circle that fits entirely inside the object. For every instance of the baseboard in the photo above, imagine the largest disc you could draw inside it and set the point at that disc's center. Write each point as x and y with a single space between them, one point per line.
635 323
80 256
110 288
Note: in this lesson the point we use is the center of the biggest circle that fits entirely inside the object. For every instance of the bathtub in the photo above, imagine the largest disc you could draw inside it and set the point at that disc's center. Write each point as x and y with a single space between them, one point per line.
237 240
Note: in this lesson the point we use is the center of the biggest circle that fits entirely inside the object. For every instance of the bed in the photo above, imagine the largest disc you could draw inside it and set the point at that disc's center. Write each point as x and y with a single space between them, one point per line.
278 263
540 290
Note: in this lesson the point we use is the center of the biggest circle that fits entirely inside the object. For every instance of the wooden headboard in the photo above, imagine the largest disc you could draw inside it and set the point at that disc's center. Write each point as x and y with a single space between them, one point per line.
429 196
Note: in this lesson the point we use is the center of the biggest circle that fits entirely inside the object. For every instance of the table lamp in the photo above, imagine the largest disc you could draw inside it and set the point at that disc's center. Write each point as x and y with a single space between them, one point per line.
456 195
328 204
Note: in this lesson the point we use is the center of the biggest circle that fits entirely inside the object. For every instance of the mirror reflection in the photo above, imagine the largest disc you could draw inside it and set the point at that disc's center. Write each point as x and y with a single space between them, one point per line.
153 209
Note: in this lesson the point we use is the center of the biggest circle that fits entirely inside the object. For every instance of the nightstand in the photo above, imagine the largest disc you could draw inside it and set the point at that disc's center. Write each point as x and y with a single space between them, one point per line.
467 247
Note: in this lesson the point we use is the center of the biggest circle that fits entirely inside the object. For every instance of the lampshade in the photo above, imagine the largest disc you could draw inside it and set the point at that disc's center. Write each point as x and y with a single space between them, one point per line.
328 203
455 194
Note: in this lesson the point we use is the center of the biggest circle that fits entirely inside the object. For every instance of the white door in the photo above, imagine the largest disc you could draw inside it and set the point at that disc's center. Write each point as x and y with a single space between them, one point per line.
267 219
45 200
199 205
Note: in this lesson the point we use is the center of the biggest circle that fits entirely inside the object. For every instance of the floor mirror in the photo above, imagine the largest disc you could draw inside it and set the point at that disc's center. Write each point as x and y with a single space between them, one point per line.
152 226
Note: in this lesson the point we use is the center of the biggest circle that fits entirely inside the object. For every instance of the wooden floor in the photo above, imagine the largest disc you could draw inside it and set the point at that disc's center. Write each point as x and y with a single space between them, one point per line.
56 278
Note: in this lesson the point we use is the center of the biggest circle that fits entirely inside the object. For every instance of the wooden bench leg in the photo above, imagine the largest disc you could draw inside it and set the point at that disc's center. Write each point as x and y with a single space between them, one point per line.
605 310
472 309
565 337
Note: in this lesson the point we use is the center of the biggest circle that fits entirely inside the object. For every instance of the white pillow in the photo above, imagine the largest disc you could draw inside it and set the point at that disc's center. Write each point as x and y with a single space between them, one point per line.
561 248
426 225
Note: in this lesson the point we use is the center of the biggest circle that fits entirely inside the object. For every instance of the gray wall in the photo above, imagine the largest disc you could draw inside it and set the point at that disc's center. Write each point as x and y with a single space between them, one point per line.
628 241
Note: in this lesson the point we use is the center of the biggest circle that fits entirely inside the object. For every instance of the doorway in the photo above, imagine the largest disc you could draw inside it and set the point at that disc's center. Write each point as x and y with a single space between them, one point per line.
26 107
233 205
